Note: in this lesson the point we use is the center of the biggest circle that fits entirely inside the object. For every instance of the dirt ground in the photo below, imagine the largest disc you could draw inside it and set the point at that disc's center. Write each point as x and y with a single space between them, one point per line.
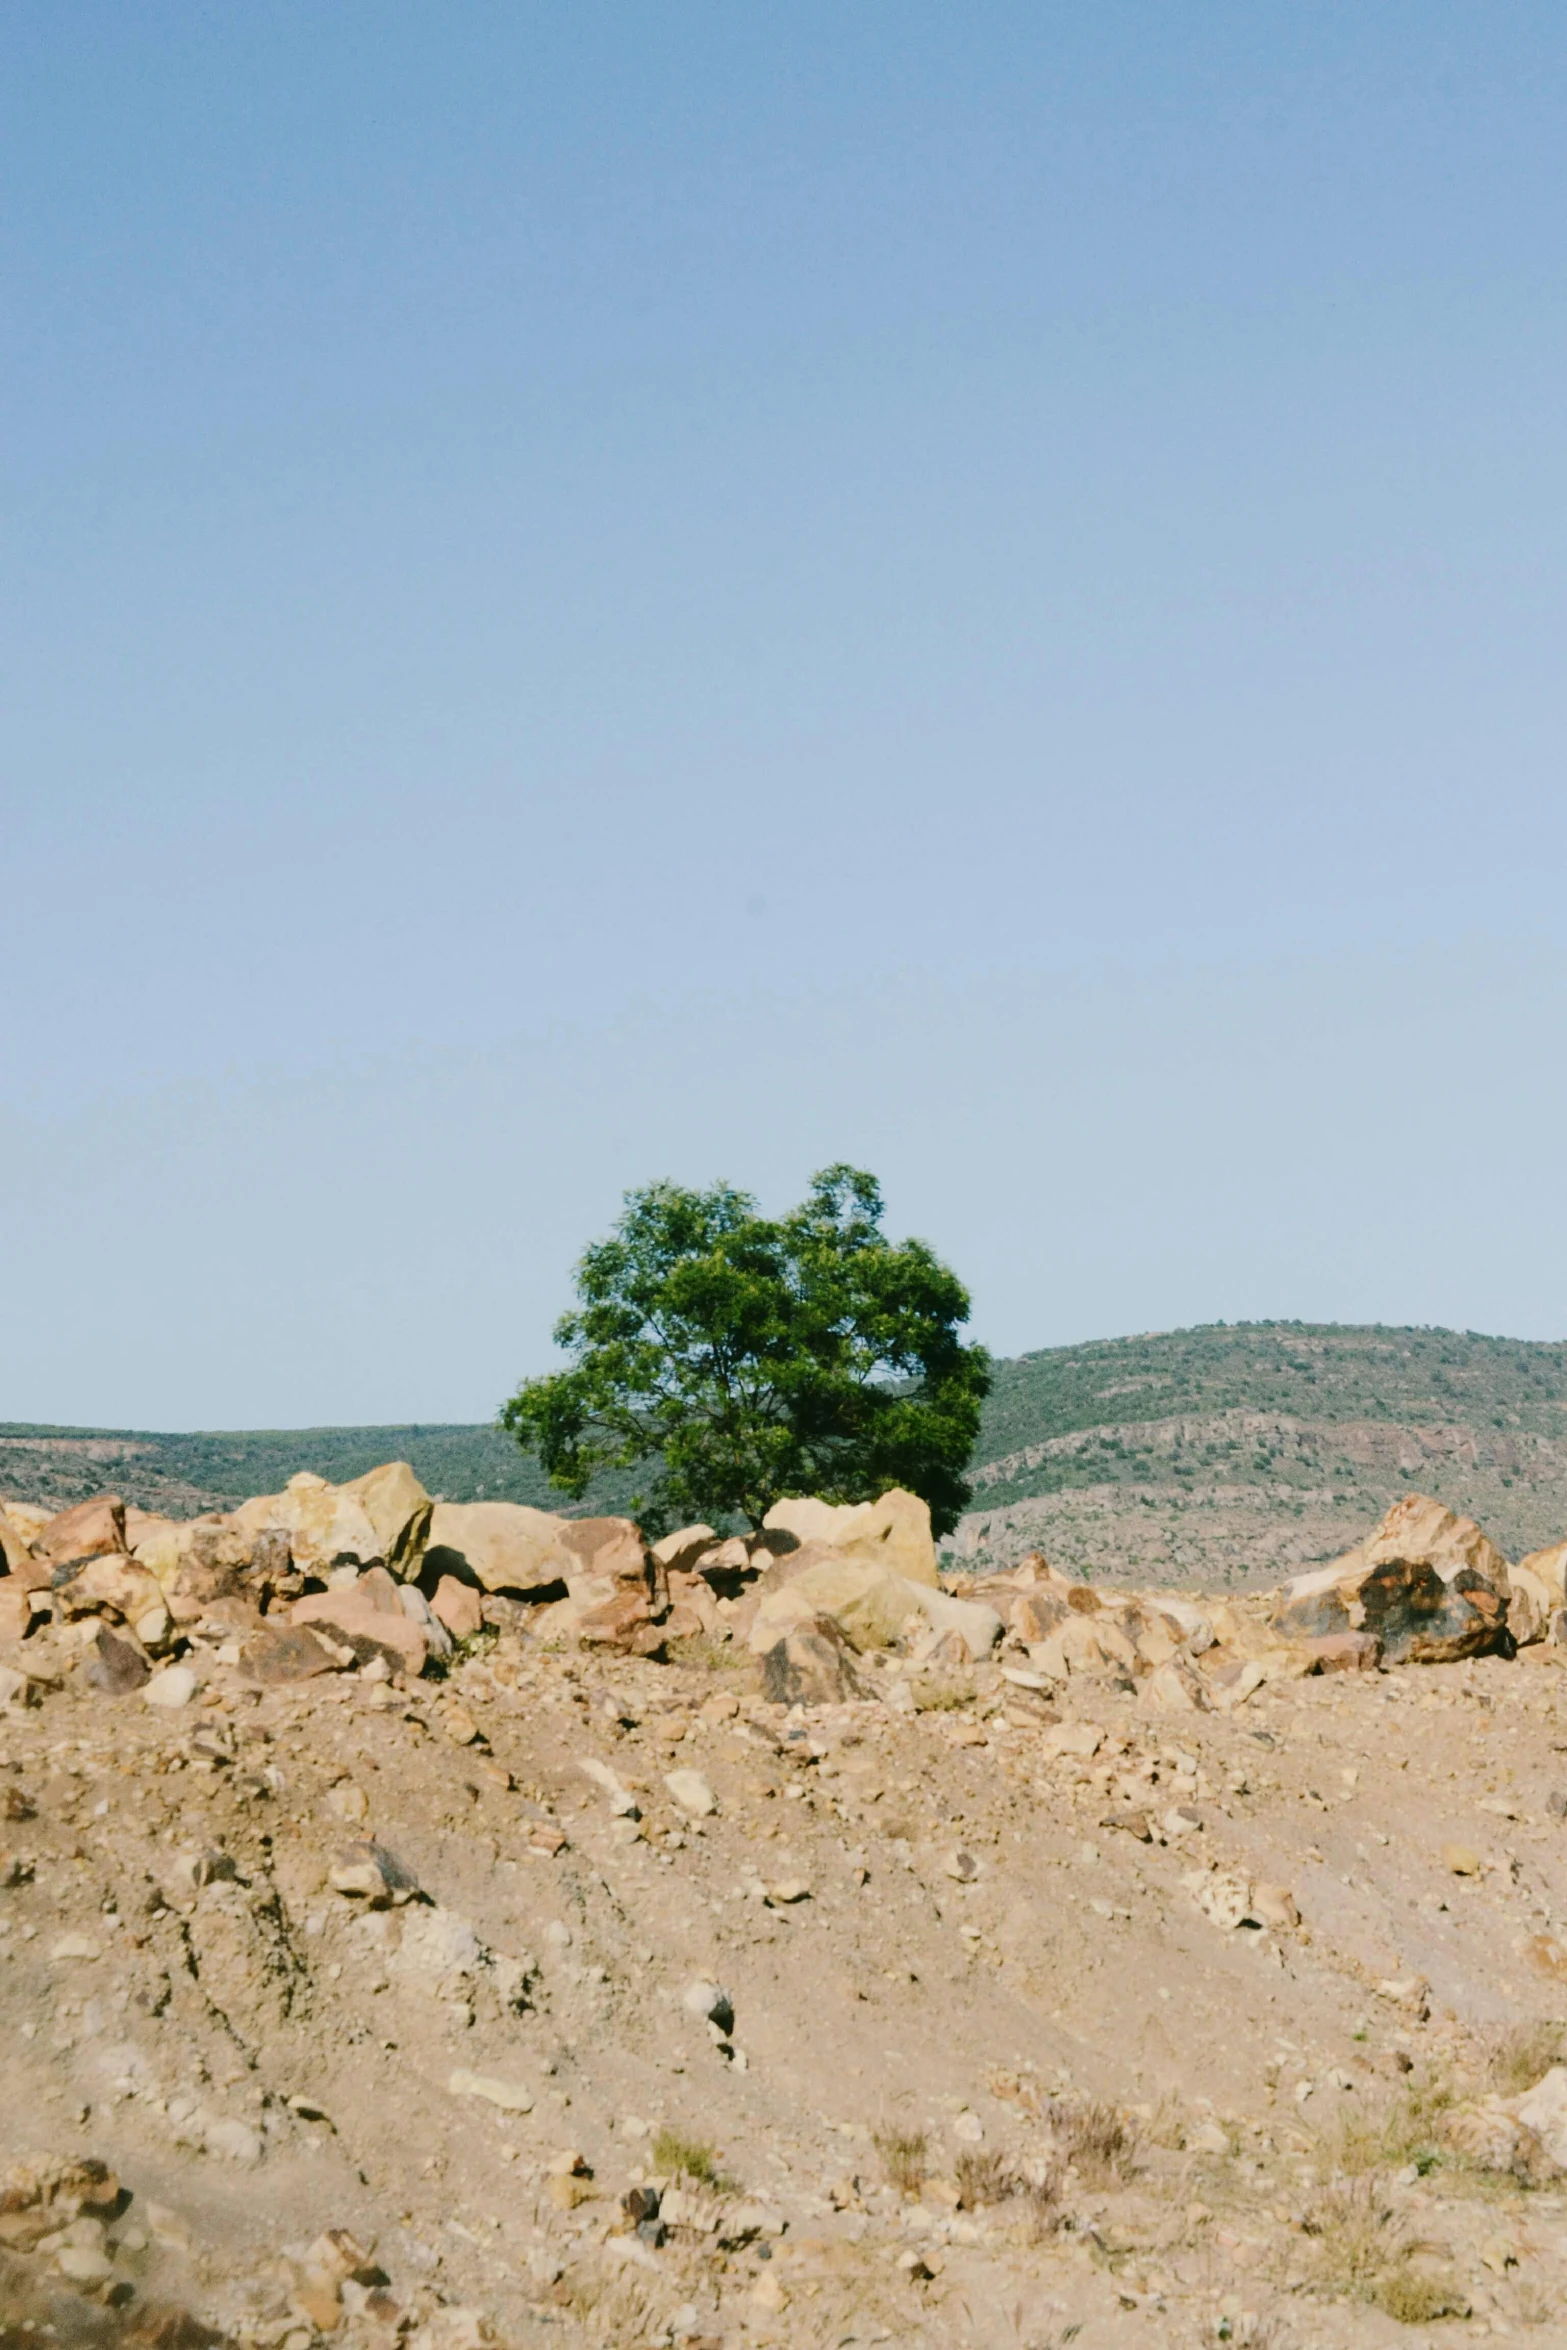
999 2071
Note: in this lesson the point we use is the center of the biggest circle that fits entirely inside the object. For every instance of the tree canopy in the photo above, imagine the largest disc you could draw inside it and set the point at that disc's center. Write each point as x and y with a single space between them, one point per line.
737 1358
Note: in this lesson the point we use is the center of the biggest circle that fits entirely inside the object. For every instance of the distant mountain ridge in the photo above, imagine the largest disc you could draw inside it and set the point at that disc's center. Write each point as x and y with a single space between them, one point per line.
1227 1453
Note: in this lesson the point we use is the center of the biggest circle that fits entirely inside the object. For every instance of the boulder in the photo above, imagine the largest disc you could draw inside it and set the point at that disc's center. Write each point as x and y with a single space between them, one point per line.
115 1665
1550 1566
500 1545
1427 1584
458 1607
1543 2110
16 1552
110 1584
678 1553
1530 1606
869 1604
1084 1644
16 1613
294 1653
92 1529
892 1532
811 1665
380 1519
368 1616
608 1557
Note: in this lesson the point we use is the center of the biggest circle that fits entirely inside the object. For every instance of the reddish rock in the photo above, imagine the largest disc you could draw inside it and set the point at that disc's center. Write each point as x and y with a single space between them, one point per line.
358 1615
458 1606
89 1530
292 1655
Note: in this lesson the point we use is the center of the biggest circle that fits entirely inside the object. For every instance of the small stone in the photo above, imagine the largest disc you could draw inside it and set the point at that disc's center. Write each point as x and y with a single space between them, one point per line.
969 2128
459 1725
171 1688
712 2003
791 1890
508 2095
962 1866
1461 1860
370 1872
1274 1905
233 2139
692 1793
84 2264
75 1946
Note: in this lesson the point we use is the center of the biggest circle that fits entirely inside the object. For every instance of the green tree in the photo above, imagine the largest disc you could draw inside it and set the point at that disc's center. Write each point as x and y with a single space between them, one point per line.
738 1358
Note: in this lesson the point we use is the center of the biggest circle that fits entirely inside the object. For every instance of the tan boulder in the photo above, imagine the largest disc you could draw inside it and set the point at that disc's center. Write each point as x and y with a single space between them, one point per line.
29 1517
1531 1602
1427 1584
16 1551
91 1529
501 1545
380 1519
608 1557
811 1665
678 1553
892 1531
870 1605
108 1584
1549 1567
457 1606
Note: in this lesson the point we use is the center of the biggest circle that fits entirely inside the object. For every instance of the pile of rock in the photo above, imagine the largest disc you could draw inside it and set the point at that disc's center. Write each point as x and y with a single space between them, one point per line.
376 1576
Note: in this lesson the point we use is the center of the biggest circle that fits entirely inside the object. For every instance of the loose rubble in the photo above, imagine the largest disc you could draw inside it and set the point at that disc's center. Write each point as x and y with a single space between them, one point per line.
456 1925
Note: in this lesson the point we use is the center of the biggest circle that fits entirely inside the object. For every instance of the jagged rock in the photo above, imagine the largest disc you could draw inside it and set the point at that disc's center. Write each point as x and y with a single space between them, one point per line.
90 1529
16 1552
892 1532
116 1665
368 1617
1532 1600
380 1519
811 1665
294 1654
368 1872
1427 1584
457 1606
109 1582
500 1545
678 1553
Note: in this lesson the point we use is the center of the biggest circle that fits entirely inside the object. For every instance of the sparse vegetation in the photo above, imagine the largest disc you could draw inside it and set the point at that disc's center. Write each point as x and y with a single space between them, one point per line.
1524 2056
1096 2139
676 2156
903 2156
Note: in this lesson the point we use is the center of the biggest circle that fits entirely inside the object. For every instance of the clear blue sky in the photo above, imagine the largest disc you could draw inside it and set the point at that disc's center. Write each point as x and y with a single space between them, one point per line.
595 592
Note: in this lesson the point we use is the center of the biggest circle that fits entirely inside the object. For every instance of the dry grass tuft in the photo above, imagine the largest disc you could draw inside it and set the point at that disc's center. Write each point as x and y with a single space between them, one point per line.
1524 2056
903 2158
678 2157
1098 2140
942 1693
1390 2137
1417 2299
985 2178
